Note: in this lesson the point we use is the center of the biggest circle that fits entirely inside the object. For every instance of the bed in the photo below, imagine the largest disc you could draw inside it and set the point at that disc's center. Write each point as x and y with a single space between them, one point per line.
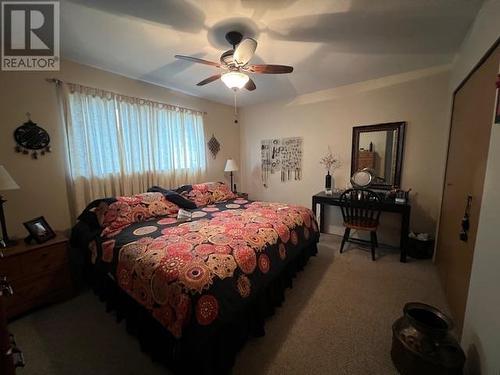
194 291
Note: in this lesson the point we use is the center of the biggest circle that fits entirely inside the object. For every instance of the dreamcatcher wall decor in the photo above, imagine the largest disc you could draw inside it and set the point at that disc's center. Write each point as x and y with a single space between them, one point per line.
284 155
31 138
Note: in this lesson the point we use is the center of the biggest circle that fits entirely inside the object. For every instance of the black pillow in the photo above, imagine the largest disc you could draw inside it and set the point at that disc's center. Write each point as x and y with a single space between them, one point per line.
184 188
173 197
88 215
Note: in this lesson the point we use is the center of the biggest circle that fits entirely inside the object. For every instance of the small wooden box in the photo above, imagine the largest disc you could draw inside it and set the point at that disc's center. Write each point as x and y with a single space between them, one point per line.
39 274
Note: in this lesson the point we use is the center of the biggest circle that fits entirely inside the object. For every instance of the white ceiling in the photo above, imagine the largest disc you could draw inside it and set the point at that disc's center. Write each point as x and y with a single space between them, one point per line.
329 42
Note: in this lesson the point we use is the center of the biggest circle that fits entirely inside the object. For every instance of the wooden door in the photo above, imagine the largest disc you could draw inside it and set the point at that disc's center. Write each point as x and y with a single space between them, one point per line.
472 120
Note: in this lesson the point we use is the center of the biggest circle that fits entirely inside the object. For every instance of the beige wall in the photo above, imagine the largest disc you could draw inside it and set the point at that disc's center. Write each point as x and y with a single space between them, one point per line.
481 36
42 182
481 331
326 119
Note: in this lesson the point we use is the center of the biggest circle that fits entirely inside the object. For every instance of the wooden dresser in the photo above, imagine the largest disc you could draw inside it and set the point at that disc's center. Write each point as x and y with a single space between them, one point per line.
366 159
39 274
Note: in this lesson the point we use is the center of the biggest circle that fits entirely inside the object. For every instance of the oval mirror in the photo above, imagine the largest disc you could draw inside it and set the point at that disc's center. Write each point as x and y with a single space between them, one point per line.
362 179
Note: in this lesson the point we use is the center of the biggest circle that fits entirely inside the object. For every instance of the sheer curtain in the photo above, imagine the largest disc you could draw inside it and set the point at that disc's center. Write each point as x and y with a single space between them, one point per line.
119 145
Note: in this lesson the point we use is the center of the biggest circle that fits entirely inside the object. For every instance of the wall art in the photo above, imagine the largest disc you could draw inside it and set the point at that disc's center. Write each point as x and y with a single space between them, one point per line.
282 155
214 146
31 138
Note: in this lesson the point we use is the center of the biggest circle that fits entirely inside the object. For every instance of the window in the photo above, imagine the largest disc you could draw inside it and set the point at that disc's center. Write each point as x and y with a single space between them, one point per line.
113 135
123 145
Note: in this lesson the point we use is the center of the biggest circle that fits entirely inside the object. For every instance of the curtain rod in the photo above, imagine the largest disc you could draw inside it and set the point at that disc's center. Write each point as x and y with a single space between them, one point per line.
58 81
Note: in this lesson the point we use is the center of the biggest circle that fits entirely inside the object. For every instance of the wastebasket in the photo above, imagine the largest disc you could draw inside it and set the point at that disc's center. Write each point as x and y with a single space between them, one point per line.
420 247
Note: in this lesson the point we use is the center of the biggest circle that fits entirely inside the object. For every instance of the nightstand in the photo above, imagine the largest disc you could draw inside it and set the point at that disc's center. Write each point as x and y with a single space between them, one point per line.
39 274
242 195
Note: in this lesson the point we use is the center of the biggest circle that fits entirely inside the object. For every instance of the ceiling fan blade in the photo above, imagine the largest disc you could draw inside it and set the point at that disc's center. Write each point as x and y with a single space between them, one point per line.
208 80
269 69
197 60
244 51
250 86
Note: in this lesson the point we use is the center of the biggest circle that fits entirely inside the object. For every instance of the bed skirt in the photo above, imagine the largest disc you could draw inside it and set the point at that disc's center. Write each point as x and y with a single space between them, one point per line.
208 350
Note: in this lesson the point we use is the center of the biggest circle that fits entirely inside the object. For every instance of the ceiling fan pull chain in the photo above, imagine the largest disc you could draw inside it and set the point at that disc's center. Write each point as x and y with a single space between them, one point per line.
235 108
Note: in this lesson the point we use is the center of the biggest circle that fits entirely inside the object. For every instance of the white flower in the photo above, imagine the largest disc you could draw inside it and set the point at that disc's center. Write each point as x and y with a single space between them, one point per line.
329 161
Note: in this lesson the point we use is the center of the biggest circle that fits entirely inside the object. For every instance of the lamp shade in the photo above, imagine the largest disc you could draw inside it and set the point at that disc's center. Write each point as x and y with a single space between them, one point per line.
6 180
234 80
231 166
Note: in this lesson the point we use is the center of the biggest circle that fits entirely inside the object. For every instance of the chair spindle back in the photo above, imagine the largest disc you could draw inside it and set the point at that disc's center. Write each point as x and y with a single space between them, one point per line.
360 205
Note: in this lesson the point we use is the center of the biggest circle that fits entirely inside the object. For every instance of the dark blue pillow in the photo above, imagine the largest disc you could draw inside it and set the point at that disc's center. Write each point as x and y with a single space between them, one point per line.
173 197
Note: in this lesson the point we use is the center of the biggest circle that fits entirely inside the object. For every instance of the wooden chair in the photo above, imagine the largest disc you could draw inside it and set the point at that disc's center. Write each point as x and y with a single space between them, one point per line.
360 211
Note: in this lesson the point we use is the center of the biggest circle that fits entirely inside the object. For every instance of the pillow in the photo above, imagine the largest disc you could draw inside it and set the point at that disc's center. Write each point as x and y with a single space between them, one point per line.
197 194
127 210
184 189
221 192
90 214
174 197
206 193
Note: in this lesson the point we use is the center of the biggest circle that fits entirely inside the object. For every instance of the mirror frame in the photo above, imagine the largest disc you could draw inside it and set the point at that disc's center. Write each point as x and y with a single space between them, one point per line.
400 133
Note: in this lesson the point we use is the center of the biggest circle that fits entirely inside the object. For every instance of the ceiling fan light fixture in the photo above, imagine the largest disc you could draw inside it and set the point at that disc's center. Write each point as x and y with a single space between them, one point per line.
235 80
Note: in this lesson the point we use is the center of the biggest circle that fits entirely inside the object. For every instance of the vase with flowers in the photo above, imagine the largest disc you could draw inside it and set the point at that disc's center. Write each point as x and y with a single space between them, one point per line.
330 162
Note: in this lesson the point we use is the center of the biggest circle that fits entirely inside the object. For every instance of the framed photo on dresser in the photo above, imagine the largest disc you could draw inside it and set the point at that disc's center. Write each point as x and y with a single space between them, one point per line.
39 230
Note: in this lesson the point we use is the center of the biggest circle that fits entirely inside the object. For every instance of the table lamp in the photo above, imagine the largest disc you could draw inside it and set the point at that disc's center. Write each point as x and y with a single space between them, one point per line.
231 167
6 183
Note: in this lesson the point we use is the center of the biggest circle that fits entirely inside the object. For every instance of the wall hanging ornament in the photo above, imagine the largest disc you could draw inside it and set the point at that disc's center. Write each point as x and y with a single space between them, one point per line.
31 138
214 146
283 154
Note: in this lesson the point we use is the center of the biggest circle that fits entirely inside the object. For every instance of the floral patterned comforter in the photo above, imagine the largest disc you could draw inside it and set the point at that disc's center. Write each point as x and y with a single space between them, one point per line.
203 271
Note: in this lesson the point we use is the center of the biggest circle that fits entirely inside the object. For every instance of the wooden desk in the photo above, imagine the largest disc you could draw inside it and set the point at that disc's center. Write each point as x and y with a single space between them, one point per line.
386 205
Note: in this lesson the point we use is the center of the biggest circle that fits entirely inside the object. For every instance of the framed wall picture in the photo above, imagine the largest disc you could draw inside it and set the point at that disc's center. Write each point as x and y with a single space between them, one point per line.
39 230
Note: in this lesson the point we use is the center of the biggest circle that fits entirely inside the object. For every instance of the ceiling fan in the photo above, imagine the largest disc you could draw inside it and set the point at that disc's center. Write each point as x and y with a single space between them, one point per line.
235 63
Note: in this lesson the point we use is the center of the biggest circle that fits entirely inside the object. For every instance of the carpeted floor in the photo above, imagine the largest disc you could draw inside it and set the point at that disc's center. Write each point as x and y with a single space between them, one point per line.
336 320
